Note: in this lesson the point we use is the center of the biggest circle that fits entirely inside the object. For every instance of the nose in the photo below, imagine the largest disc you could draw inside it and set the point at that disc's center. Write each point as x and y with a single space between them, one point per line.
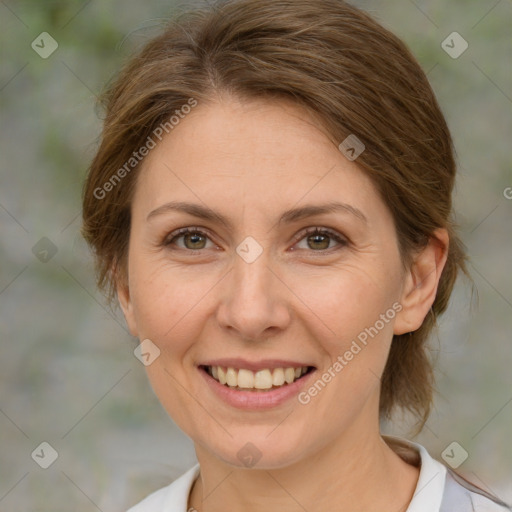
255 301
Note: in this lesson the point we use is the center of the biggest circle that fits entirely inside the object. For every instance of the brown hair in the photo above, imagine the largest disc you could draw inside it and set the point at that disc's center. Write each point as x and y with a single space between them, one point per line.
342 66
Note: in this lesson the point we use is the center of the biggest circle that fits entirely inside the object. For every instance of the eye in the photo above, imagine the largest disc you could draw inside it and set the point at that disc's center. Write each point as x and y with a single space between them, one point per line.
193 239
320 239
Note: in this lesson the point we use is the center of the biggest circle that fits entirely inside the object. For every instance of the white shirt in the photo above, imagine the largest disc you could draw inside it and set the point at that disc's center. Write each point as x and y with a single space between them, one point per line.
438 489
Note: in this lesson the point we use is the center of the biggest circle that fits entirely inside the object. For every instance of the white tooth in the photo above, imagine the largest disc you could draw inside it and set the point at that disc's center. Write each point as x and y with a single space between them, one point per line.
278 377
289 375
298 372
222 375
232 377
214 372
245 378
304 369
263 379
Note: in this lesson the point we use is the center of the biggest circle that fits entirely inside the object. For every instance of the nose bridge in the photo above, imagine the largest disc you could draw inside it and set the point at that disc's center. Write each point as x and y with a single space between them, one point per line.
251 272
253 301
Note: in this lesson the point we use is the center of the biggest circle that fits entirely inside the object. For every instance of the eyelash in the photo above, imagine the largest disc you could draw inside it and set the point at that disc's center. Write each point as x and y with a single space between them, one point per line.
308 232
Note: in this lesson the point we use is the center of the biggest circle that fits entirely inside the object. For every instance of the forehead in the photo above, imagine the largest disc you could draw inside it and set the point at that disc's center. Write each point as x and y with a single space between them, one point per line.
252 152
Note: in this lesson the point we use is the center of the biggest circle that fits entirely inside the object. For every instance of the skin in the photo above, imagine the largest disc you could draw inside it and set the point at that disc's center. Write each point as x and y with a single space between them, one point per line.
299 300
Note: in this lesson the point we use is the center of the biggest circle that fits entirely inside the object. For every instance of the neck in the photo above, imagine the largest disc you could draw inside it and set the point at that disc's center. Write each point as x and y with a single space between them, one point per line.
359 472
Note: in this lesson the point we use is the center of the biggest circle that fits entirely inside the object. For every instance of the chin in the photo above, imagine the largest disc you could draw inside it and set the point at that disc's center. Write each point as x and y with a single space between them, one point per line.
259 449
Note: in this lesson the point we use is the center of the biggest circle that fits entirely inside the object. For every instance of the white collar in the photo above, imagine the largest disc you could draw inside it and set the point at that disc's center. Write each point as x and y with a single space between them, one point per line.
429 491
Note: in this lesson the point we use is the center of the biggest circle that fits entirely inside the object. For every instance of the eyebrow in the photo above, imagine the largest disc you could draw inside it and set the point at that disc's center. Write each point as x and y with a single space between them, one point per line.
289 216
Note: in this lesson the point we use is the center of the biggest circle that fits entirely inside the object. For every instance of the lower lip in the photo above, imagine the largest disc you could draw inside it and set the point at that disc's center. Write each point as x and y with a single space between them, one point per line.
255 400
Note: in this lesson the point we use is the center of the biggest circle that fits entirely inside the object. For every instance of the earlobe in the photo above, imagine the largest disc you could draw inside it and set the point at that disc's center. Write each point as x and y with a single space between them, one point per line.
123 296
421 283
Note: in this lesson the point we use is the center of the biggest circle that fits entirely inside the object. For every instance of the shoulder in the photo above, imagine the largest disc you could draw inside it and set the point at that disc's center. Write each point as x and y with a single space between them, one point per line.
461 495
172 498
439 488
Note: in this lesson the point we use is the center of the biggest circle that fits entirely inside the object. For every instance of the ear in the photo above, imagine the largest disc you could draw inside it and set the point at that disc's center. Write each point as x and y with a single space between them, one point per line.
421 283
123 296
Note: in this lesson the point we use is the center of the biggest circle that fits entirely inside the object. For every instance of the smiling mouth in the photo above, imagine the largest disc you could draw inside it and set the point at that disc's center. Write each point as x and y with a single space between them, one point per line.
266 379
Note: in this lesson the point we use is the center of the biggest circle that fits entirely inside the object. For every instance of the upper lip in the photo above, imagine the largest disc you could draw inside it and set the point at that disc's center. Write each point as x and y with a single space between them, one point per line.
253 365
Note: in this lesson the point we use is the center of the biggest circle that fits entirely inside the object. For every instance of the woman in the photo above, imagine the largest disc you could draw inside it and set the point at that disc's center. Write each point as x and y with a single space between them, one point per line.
271 205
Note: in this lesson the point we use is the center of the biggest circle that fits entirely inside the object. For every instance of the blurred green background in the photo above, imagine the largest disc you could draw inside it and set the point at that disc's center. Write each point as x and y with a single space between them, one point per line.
68 375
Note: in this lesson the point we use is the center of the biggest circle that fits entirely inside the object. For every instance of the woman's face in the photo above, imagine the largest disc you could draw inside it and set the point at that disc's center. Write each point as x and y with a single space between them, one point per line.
252 289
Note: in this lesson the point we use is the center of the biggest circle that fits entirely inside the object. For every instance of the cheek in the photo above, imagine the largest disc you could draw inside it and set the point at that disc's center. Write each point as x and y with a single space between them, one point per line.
355 333
167 305
165 299
348 302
